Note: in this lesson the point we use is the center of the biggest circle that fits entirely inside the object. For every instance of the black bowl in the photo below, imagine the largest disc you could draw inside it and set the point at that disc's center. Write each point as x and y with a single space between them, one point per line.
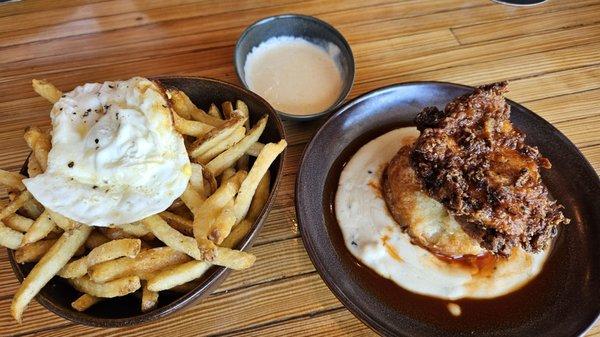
311 29
564 300
57 295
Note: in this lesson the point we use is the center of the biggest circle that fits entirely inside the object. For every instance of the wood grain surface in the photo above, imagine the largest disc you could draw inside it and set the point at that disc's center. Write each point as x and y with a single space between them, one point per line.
550 53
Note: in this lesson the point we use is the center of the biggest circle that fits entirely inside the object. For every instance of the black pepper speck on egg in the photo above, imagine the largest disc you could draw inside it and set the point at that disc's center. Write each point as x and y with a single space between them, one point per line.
96 140
111 86
71 164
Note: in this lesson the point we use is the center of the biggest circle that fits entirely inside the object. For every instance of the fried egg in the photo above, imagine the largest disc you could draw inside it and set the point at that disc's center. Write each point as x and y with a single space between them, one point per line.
374 238
116 157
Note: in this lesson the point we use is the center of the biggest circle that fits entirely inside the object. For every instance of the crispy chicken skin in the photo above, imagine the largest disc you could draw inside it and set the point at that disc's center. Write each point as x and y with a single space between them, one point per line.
470 158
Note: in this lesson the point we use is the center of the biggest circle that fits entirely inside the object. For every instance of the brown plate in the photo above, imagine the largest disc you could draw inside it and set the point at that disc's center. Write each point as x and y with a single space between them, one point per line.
564 300
57 295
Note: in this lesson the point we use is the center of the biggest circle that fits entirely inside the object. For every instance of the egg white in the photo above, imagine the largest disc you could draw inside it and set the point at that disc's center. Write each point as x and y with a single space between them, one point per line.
116 157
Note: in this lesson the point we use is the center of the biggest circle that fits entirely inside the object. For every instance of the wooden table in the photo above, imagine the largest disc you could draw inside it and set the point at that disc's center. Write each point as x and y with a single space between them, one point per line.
551 54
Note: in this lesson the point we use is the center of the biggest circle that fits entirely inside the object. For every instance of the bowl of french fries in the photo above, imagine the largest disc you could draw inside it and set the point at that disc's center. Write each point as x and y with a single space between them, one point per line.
141 271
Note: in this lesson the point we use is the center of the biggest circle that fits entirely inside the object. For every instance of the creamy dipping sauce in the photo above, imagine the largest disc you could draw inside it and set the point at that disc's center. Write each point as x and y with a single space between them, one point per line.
375 239
294 75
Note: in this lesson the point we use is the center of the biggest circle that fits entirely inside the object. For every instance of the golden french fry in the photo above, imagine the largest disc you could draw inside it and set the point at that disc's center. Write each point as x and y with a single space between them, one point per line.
211 208
234 259
149 299
178 275
119 287
171 237
40 228
33 251
115 233
96 239
185 108
136 229
228 173
106 252
197 179
18 222
211 180
223 224
40 143
231 155
33 167
254 149
47 90
260 167
61 221
32 208
190 128
58 255
237 135
215 136
182 274
242 108
214 111
9 237
227 108
14 205
84 302
260 197
192 199
178 222
11 180
145 264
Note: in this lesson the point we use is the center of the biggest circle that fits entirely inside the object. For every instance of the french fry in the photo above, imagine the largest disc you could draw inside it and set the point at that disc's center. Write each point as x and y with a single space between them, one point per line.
214 111
135 229
40 228
178 275
110 289
61 221
9 237
237 135
242 108
204 218
254 149
260 167
233 259
227 109
18 222
180 223
12 180
182 274
185 108
32 208
95 239
197 178
228 173
223 224
145 264
47 90
171 237
33 251
33 167
84 302
58 255
40 143
14 205
192 199
260 197
190 128
149 299
211 180
115 233
106 252
231 155
216 136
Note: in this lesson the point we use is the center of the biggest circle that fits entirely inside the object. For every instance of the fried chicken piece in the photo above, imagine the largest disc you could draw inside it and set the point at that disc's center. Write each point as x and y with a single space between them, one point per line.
470 158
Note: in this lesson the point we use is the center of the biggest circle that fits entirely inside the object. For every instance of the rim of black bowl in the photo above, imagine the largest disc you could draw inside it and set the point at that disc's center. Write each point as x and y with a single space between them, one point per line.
201 290
347 85
322 269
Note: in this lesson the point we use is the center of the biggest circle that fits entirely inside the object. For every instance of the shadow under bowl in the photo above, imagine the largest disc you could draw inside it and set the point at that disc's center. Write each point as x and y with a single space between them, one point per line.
57 295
